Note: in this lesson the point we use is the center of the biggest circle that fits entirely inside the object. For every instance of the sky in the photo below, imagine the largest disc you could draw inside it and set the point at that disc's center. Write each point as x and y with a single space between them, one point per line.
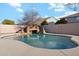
15 11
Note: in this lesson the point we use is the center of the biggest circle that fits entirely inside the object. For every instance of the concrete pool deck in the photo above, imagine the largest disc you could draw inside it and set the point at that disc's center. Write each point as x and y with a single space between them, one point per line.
9 46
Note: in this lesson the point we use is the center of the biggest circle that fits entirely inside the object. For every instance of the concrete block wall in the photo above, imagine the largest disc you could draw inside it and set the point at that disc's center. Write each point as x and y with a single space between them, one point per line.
8 28
71 28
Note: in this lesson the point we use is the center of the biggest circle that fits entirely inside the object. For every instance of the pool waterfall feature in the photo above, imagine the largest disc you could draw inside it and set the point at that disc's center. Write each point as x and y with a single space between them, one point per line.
31 29
49 41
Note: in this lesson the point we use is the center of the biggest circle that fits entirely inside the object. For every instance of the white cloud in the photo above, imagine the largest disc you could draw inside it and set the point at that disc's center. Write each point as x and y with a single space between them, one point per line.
52 5
57 7
20 10
17 6
60 6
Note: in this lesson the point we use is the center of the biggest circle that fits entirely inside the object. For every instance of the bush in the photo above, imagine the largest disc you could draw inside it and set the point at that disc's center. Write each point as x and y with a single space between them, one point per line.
8 22
61 21
44 22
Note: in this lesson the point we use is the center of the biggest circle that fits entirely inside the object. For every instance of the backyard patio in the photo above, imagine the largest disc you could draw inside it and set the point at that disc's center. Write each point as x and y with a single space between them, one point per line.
11 46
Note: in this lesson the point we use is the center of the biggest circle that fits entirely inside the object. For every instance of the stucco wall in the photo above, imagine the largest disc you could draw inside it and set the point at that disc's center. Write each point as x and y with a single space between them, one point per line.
8 28
72 28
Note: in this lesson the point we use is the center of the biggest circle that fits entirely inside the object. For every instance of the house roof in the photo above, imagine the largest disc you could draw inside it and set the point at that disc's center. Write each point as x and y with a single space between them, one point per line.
52 19
71 15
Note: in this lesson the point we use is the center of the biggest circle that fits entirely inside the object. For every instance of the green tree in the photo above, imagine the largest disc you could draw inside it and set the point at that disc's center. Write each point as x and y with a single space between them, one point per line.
61 21
44 22
8 22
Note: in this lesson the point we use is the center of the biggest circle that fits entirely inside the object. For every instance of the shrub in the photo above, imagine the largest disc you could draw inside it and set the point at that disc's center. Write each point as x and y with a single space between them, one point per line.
61 21
44 22
8 22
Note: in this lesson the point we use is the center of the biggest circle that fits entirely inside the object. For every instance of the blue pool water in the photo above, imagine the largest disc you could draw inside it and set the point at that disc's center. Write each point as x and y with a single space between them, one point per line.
49 41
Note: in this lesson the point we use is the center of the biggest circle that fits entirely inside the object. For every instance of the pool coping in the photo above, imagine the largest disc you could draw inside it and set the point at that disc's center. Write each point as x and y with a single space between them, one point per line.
33 51
71 51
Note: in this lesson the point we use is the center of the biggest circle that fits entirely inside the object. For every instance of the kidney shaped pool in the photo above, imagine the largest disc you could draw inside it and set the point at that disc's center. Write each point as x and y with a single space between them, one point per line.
49 41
